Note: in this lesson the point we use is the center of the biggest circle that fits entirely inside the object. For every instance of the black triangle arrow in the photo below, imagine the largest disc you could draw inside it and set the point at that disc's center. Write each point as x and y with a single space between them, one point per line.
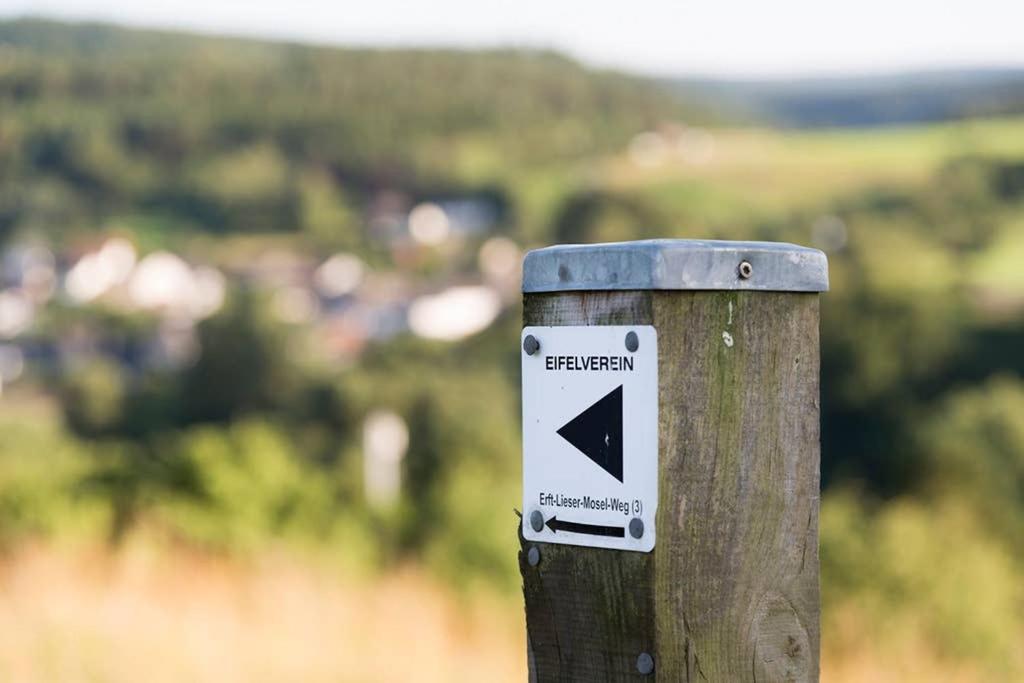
557 525
597 432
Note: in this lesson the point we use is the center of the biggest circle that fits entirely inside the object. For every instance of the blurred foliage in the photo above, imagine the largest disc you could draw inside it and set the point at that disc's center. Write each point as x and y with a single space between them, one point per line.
242 365
204 143
975 442
232 135
914 570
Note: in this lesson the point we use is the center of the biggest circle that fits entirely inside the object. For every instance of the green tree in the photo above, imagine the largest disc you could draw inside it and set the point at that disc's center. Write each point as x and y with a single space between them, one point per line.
242 367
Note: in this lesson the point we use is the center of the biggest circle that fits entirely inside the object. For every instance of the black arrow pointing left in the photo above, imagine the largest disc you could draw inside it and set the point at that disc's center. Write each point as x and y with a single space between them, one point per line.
597 432
557 525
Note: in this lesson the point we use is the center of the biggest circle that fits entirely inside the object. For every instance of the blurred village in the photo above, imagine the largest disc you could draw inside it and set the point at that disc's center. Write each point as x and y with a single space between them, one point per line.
346 303
339 303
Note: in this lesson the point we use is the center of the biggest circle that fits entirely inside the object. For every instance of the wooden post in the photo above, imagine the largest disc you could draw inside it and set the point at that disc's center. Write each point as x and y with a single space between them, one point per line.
730 591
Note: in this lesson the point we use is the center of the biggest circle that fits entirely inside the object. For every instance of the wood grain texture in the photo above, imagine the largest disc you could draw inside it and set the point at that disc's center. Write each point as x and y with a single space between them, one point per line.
730 592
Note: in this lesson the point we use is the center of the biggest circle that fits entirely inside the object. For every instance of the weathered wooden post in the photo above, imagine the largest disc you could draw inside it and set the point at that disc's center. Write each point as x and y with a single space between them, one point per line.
671 461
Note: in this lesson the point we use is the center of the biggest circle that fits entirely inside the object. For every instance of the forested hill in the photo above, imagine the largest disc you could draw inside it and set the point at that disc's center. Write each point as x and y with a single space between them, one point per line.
863 101
359 104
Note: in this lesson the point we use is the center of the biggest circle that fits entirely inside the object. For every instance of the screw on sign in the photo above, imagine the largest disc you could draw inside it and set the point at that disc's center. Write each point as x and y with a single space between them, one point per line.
531 345
670 461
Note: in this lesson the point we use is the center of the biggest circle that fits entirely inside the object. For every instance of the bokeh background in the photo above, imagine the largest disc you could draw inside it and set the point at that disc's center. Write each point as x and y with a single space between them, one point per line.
259 312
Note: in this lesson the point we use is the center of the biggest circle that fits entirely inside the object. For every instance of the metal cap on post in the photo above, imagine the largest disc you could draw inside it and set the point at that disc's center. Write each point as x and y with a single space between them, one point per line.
671 460
676 264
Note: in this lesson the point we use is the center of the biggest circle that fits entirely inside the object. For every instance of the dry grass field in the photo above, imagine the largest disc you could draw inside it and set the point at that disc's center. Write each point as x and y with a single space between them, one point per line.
81 615
73 616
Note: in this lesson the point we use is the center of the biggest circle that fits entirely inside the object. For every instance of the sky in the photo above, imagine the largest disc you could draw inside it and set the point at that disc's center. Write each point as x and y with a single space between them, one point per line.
754 39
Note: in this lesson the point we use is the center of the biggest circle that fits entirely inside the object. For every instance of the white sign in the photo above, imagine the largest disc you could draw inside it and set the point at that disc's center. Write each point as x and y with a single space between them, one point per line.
590 435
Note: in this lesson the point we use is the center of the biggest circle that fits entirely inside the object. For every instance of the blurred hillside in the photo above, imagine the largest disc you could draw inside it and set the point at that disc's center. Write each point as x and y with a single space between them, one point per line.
860 101
144 125
261 298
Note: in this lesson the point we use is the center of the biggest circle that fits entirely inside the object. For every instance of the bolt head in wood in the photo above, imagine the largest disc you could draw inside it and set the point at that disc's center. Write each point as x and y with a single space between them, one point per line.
746 270
531 345
645 664
632 341
533 556
536 520
636 527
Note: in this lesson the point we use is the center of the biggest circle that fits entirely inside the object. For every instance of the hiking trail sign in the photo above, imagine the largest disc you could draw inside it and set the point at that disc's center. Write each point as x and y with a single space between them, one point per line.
712 415
590 435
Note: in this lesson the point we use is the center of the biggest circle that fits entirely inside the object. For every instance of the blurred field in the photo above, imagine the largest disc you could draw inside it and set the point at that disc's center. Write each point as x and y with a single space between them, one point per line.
855 653
86 614
78 615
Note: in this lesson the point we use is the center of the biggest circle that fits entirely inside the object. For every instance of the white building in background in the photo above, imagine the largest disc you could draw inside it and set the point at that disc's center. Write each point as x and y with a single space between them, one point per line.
385 441
339 275
429 224
161 282
455 313
98 272
165 282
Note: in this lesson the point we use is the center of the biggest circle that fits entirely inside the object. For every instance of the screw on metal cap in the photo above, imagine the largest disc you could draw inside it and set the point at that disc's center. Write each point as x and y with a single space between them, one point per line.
632 341
533 556
676 264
